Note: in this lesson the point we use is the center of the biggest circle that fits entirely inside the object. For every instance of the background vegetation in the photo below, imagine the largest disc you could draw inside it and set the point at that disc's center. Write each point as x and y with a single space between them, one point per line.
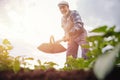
103 55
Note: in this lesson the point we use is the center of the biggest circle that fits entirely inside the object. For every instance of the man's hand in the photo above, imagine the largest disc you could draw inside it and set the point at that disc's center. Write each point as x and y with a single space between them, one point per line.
65 38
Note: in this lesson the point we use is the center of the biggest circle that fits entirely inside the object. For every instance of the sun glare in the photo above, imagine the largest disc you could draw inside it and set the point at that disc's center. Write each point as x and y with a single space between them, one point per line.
32 21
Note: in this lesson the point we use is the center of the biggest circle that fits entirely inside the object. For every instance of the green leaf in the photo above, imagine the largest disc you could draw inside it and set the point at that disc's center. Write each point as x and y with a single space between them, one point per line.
108 61
100 29
94 38
110 32
111 29
29 58
5 41
16 65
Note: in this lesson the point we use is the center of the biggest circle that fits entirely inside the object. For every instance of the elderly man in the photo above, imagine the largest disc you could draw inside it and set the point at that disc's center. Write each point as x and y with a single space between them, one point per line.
75 32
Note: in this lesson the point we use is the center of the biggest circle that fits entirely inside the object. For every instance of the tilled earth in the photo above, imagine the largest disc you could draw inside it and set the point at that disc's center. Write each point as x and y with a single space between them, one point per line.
52 74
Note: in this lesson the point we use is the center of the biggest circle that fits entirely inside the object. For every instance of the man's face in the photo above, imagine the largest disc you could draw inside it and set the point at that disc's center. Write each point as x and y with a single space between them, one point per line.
64 9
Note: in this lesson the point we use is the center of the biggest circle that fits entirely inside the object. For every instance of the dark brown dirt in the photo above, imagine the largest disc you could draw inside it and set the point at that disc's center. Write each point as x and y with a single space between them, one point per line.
52 74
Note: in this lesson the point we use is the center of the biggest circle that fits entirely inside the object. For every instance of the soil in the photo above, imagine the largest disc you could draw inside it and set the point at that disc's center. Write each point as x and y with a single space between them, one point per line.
52 74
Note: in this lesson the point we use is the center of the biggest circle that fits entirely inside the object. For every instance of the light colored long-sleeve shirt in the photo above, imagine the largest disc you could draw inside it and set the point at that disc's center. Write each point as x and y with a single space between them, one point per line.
72 23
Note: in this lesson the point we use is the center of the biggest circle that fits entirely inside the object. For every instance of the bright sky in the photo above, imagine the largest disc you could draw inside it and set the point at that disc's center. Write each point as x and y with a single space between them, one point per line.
28 23
33 21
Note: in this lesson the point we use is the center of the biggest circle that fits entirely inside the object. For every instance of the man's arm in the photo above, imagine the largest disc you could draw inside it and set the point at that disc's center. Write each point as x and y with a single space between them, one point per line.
78 24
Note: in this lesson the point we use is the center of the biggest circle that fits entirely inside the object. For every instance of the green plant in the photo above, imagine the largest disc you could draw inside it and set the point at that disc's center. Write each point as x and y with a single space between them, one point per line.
76 64
107 37
45 65
108 61
8 62
103 37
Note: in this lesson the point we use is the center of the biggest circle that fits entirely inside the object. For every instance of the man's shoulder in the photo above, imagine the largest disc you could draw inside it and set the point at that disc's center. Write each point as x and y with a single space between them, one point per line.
74 12
75 16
